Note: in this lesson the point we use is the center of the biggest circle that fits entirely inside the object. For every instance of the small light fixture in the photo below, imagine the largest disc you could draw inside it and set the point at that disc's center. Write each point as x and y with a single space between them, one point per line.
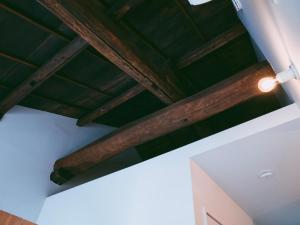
265 174
267 84
198 2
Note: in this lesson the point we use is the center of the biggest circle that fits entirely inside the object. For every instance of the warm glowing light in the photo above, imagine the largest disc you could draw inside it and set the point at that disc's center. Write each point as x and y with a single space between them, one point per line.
267 84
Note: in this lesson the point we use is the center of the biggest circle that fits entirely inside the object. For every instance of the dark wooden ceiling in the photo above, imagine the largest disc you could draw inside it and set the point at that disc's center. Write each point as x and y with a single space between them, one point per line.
173 29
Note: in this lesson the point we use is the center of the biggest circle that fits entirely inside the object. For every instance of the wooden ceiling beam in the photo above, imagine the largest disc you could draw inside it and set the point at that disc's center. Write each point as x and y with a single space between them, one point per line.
222 96
42 74
89 20
110 105
211 46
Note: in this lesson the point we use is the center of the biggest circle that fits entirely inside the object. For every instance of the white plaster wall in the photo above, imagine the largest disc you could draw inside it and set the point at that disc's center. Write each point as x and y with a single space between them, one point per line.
155 192
235 167
30 142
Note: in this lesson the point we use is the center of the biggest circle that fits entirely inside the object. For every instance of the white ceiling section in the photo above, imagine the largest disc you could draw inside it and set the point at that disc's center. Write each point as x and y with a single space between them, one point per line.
236 167
275 27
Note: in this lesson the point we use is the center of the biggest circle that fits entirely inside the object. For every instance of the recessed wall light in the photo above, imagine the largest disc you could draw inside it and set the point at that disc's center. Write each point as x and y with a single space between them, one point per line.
265 174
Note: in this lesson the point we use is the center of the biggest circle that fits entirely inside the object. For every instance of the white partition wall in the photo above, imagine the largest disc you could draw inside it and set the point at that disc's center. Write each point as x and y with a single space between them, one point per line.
155 192
30 142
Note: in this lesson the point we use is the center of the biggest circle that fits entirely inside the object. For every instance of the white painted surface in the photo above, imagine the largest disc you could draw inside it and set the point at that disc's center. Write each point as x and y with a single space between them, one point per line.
30 142
155 192
236 167
275 27
214 202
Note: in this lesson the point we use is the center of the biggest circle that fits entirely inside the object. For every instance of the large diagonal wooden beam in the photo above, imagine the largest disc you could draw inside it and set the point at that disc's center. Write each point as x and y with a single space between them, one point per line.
211 101
89 20
42 74
214 44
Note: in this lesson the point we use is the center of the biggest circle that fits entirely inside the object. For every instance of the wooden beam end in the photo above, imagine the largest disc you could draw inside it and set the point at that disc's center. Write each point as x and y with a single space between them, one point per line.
60 176
80 123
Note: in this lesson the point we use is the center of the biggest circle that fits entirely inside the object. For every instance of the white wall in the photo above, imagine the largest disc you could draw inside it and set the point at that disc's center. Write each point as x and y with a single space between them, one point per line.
236 167
155 192
30 142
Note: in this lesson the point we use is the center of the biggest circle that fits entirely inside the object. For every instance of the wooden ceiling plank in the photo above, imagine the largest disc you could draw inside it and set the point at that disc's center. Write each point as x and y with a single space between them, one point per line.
58 75
211 46
42 74
17 60
190 19
33 22
48 99
222 96
130 93
42 27
121 7
89 20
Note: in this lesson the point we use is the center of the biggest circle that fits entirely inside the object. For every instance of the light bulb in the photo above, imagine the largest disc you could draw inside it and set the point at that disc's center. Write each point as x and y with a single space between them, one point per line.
267 84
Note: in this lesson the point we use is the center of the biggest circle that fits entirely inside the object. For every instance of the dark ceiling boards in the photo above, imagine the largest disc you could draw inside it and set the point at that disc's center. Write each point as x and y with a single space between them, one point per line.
176 35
